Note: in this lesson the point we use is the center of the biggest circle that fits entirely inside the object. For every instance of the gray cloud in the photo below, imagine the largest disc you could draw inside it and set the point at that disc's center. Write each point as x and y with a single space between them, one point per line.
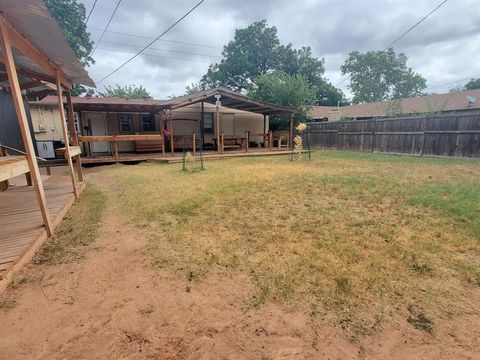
443 48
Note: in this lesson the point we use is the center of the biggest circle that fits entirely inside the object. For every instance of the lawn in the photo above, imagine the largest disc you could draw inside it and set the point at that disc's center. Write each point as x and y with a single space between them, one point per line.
358 240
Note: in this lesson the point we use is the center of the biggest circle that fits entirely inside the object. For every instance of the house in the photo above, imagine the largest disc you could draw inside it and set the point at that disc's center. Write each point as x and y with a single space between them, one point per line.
216 119
462 101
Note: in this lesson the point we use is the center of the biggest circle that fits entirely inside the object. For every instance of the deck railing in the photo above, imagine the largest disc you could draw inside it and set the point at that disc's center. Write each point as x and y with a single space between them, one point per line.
115 139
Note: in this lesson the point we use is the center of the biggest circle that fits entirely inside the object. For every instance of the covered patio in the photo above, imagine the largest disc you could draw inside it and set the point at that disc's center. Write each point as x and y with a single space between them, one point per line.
180 131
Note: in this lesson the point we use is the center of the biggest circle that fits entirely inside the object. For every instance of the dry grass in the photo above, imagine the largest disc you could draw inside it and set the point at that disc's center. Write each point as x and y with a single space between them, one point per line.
363 237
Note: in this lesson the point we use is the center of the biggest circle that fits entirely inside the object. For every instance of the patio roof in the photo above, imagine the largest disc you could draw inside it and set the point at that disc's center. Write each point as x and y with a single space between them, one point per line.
32 24
228 98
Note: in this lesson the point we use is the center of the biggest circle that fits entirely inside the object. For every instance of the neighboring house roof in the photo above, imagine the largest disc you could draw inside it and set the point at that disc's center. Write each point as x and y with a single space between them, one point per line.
228 98
463 100
33 21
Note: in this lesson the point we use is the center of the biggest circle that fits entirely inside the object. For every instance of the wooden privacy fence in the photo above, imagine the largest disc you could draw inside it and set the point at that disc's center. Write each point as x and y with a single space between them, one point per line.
442 135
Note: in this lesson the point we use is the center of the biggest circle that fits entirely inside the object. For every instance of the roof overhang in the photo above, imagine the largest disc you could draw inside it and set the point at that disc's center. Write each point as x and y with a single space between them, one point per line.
40 50
229 99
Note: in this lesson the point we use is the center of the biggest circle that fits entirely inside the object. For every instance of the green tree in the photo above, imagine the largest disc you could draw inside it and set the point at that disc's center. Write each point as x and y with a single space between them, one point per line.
194 88
256 50
126 92
381 75
278 87
300 61
252 52
456 88
472 84
70 16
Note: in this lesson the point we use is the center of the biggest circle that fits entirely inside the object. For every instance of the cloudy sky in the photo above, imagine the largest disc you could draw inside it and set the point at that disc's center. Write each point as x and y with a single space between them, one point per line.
445 48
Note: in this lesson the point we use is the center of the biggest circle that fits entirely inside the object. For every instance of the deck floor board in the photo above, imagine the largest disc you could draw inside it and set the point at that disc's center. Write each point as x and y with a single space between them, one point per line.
21 224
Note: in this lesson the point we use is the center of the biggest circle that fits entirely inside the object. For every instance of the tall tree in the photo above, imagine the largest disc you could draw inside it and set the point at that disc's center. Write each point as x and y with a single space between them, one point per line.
194 88
381 75
301 61
255 51
293 91
252 52
472 84
70 16
126 92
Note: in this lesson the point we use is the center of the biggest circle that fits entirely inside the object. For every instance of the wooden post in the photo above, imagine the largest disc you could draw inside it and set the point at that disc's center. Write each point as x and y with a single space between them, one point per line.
170 119
74 135
265 130
247 140
160 120
49 170
65 133
194 144
424 136
221 143
24 129
115 148
3 184
270 140
373 134
217 125
290 140
28 177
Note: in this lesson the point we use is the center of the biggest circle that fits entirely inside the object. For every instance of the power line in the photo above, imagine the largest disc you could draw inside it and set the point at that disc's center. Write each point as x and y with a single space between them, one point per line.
106 27
90 13
153 41
453 82
414 26
159 49
154 55
151 38
405 33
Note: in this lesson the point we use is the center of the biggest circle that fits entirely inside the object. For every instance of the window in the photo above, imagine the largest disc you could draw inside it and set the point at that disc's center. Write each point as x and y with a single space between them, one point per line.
125 122
208 123
147 122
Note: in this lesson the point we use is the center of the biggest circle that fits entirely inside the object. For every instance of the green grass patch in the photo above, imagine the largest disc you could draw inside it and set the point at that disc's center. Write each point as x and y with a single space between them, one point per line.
458 201
77 230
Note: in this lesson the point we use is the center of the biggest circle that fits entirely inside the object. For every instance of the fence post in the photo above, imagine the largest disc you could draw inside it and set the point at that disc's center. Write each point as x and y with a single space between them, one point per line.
424 136
336 138
247 140
270 140
373 135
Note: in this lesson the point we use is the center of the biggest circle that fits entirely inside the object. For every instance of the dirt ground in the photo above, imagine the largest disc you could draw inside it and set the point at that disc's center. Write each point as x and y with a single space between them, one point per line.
113 305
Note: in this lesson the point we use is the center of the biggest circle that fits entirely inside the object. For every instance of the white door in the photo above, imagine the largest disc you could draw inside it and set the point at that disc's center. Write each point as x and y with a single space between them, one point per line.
98 123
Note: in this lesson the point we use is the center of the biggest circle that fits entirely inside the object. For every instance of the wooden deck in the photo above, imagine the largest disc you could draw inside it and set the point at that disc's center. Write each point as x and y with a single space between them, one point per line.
157 157
21 226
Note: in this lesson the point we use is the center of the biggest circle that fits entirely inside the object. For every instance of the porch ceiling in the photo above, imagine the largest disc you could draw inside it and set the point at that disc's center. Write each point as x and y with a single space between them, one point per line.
35 25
